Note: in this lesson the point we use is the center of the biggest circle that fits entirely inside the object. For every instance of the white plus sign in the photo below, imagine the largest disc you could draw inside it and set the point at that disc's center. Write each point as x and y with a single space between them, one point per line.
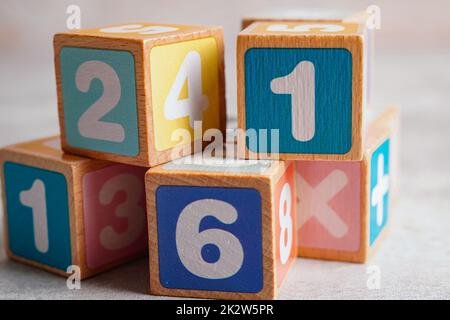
313 202
380 189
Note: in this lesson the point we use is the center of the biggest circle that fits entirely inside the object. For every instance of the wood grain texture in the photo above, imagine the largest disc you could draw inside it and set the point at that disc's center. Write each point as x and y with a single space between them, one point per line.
351 39
140 46
264 183
40 155
373 140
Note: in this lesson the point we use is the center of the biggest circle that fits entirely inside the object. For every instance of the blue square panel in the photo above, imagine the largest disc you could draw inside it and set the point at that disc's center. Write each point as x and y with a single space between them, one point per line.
37 215
99 100
304 93
379 190
209 238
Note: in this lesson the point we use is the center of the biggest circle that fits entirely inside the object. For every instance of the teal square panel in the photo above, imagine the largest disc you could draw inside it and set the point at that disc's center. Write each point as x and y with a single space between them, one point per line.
37 214
379 190
304 93
99 100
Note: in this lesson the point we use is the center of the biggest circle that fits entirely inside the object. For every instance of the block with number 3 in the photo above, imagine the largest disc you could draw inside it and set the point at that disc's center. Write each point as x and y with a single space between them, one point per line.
221 229
62 210
302 83
123 91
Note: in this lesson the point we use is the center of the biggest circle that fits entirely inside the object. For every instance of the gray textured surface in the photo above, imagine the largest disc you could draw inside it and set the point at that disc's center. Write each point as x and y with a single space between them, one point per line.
415 258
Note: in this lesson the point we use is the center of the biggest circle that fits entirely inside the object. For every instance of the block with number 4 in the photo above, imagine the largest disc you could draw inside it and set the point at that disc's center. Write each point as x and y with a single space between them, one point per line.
62 210
220 229
343 206
124 91
300 86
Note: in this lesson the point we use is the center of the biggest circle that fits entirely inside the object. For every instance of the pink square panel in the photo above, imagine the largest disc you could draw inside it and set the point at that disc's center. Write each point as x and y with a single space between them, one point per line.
114 214
328 205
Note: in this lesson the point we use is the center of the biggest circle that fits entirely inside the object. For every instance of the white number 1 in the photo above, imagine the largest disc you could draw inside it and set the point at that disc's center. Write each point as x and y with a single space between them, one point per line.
300 85
35 199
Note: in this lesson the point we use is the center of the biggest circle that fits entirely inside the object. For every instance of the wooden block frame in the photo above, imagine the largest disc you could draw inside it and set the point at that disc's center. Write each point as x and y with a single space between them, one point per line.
140 46
36 154
374 140
255 37
263 183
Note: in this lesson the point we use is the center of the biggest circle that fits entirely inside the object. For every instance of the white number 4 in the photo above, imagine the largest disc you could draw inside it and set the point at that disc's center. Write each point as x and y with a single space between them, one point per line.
300 85
194 105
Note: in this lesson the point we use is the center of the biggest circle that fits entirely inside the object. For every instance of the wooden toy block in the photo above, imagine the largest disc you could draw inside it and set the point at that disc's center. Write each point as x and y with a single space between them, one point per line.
343 206
302 83
220 230
62 210
124 92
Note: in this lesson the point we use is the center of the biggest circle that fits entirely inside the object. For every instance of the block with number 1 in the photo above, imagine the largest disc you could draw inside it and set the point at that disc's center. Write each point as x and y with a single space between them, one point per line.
124 91
221 229
302 83
63 211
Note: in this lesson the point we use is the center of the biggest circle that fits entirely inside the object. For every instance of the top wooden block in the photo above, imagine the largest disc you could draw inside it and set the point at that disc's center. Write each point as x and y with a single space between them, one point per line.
124 91
306 80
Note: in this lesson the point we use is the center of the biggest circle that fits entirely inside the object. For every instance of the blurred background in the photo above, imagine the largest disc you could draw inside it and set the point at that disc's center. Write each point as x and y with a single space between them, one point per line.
412 70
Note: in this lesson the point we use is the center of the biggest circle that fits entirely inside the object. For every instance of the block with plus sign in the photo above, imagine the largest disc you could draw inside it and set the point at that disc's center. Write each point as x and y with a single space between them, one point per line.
63 211
301 87
221 230
343 206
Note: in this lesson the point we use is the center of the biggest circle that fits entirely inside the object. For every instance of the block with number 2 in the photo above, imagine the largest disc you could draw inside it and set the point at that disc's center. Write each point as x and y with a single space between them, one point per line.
62 210
221 230
123 91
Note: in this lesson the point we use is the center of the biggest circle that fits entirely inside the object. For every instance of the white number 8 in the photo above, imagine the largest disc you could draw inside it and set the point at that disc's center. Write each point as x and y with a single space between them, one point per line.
190 241
284 213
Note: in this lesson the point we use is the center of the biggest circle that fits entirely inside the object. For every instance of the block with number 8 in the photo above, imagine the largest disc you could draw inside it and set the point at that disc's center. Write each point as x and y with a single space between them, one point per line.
62 210
221 230
304 79
123 91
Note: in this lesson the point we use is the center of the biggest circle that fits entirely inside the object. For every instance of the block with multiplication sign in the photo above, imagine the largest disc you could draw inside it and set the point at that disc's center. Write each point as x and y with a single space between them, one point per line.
221 229
300 89
126 91
343 206
62 210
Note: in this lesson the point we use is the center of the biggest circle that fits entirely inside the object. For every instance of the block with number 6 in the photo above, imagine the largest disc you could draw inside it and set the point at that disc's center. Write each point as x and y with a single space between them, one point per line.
220 229
125 91
66 213
302 83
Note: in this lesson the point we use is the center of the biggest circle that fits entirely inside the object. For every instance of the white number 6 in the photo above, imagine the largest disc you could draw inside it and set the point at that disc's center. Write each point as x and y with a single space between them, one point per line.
190 241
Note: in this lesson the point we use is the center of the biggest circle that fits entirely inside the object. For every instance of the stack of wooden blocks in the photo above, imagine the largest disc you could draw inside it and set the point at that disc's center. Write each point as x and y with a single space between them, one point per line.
136 100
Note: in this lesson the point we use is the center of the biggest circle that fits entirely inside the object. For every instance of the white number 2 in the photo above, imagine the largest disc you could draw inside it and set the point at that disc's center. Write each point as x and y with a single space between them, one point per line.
196 102
285 217
130 209
89 124
190 241
35 199
307 27
300 85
